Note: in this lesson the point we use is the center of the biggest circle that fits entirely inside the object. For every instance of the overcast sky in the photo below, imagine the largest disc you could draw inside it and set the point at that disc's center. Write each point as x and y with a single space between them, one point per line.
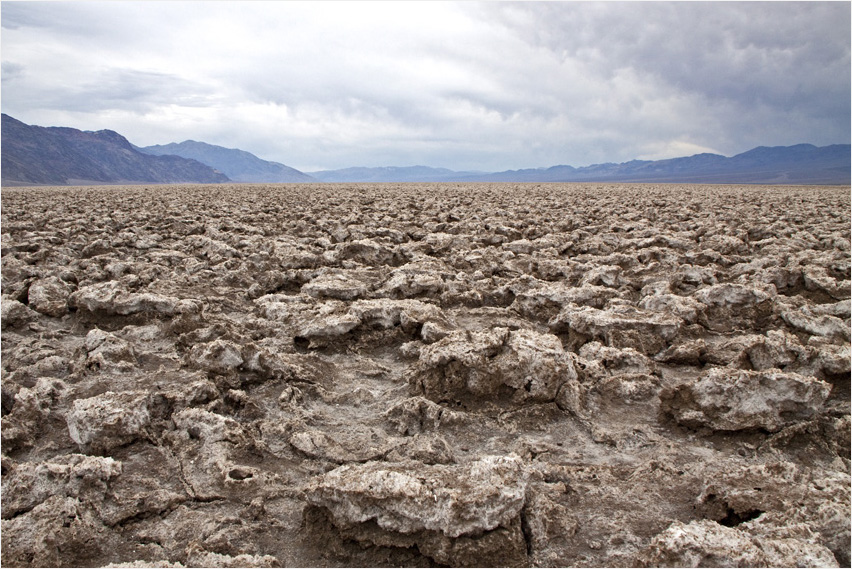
468 86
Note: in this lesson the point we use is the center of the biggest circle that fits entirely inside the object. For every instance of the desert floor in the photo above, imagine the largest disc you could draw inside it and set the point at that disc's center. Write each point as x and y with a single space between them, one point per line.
421 375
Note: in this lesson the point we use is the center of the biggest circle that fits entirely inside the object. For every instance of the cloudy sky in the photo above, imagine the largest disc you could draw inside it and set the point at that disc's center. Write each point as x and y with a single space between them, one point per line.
467 86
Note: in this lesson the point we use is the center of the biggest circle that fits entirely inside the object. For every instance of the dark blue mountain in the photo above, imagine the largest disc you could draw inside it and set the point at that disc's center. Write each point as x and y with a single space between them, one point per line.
799 164
35 155
238 165
57 155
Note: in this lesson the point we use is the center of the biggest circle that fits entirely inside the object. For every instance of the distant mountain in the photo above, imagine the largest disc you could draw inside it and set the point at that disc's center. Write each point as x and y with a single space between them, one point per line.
391 174
799 164
238 165
34 155
58 156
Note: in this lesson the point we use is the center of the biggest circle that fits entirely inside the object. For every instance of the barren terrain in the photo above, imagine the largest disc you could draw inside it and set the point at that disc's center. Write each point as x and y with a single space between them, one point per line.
421 375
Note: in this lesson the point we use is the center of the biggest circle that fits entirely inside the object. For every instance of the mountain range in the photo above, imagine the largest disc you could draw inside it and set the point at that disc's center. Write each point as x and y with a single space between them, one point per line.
34 155
238 165
799 164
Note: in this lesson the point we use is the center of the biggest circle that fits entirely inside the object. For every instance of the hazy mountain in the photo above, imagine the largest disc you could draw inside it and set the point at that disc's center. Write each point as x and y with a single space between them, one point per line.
799 164
238 165
391 174
59 156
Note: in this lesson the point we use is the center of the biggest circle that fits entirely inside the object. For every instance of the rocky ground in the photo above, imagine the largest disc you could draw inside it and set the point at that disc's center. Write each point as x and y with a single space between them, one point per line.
421 375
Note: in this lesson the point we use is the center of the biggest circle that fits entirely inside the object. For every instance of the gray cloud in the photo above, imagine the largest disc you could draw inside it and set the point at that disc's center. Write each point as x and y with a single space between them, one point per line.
790 56
11 70
114 89
462 85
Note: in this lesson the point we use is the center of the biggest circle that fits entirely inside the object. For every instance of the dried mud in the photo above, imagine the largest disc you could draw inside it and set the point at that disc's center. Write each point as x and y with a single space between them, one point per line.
422 375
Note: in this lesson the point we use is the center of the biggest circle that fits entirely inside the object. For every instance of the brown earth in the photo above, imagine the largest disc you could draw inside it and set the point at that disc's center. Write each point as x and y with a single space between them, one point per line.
421 375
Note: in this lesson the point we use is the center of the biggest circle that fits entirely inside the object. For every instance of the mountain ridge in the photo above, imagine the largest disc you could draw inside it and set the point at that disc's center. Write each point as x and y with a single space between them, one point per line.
238 165
36 155
796 164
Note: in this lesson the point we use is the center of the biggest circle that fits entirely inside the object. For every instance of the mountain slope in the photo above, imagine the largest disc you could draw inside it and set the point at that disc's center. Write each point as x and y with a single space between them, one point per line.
238 165
59 156
799 164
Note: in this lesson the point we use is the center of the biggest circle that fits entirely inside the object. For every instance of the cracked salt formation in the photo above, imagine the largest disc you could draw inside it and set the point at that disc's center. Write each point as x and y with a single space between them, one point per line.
422 375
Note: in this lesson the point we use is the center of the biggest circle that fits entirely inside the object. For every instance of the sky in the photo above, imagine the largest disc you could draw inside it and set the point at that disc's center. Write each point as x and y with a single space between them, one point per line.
486 86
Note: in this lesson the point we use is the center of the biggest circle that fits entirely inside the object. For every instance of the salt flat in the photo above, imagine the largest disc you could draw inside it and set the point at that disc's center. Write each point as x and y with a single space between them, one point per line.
422 374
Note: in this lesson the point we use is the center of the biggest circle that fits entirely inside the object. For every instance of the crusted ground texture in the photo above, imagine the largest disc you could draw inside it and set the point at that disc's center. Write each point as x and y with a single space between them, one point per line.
426 375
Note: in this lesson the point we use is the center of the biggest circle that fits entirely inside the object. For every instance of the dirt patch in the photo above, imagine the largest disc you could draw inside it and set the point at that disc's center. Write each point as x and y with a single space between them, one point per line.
422 375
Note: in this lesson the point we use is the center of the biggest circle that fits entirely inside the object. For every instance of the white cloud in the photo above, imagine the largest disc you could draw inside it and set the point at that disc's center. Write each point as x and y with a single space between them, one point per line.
673 149
462 85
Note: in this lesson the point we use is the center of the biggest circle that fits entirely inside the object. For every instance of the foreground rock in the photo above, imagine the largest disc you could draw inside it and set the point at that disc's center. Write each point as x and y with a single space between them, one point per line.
519 365
732 400
620 327
49 296
111 298
109 420
709 544
459 515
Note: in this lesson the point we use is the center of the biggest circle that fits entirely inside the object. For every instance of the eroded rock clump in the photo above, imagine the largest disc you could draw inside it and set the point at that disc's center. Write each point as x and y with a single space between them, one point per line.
408 375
